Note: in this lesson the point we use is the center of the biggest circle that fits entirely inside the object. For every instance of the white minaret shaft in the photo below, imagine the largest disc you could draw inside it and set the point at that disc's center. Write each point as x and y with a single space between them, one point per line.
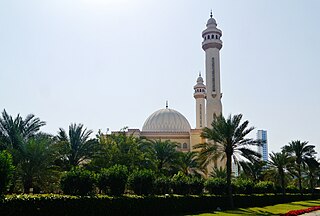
200 95
211 45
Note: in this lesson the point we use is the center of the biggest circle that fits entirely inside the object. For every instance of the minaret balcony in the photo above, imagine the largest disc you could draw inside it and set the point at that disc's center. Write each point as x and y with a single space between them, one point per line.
212 43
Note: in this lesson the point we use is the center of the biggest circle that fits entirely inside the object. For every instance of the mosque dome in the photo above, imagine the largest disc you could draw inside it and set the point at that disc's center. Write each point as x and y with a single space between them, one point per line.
211 21
166 120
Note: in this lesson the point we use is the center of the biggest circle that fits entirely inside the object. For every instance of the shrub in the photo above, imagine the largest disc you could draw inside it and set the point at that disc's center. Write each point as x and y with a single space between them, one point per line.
216 186
243 186
180 183
114 178
264 187
142 181
78 182
292 189
162 185
196 185
6 171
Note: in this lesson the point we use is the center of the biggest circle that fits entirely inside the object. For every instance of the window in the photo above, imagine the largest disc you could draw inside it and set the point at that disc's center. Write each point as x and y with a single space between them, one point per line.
216 36
213 76
185 145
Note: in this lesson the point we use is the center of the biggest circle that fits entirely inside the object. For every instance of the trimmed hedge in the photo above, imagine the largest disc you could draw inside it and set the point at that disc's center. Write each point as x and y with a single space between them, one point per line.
53 205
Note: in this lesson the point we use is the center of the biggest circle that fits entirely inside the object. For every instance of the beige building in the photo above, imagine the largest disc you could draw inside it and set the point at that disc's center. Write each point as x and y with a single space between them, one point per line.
169 124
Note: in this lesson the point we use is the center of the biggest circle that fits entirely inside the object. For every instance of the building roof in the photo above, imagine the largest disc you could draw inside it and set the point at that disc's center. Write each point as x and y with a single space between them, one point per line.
166 120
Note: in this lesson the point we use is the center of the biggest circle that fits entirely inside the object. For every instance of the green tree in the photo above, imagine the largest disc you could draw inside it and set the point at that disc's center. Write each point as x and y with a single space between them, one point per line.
253 170
188 164
227 138
166 155
37 167
6 171
218 172
120 148
77 145
312 172
15 133
279 165
301 152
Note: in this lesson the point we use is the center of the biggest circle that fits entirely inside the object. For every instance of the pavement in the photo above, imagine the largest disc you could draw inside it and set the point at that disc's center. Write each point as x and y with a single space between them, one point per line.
314 213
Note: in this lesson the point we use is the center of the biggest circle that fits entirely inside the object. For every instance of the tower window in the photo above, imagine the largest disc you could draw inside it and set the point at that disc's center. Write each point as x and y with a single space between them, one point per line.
212 36
216 36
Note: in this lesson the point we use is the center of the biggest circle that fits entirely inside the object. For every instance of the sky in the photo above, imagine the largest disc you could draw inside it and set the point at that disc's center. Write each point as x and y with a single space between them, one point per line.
111 63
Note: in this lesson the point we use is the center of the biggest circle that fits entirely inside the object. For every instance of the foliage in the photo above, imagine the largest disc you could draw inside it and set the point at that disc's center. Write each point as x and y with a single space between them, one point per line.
142 181
52 205
243 186
120 148
6 171
218 172
36 168
78 181
189 164
166 155
162 185
217 186
301 152
14 132
76 147
114 178
196 185
227 140
279 165
253 170
263 187
180 183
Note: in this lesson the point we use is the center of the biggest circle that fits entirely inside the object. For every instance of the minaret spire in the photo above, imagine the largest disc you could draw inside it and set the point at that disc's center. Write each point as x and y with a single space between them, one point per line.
167 104
211 14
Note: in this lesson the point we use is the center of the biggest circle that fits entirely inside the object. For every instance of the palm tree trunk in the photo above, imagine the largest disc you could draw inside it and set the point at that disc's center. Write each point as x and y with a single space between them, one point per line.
299 176
229 187
282 183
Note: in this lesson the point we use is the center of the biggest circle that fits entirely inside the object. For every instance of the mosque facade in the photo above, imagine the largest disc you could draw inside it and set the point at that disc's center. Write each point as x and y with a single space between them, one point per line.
169 124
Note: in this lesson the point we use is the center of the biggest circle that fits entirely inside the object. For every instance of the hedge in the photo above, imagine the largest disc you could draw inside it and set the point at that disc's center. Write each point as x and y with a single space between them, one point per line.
53 205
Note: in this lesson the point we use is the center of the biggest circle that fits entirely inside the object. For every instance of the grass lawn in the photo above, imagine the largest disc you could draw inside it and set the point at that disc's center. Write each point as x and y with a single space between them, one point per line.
267 210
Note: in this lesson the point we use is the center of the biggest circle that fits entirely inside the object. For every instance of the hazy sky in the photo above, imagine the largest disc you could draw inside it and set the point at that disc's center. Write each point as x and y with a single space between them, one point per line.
111 63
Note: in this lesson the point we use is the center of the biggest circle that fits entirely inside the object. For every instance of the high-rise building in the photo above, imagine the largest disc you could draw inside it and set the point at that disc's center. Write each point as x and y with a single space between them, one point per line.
263 149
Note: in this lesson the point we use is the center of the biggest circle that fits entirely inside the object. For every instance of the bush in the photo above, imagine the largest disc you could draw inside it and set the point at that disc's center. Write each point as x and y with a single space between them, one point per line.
243 186
142 181
264 187
216 186
6 171
78 182
162 185
114 178
196 185
180 184
292 189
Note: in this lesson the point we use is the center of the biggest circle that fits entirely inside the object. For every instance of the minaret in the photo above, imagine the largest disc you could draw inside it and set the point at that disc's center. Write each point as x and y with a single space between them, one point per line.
211 45
200 95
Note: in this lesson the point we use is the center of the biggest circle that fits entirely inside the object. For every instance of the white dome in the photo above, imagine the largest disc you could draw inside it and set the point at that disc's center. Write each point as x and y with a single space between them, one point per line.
166 120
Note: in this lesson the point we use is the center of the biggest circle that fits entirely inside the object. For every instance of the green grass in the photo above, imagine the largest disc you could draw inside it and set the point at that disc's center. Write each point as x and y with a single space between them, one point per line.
267 210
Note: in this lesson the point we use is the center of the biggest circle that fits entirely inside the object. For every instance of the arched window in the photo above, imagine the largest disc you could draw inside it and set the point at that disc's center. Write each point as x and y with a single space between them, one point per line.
205 37
216 36
185 146
212 36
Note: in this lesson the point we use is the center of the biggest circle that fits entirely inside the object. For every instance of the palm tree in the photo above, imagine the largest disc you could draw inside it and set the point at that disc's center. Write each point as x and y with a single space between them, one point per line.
189 164
36 167
78 147
301 152
218 172
279 163
166 154
14 132
253 170
312 171
228 141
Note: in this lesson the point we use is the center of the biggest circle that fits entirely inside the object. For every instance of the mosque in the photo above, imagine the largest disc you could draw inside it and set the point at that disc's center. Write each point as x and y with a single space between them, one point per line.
169 124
